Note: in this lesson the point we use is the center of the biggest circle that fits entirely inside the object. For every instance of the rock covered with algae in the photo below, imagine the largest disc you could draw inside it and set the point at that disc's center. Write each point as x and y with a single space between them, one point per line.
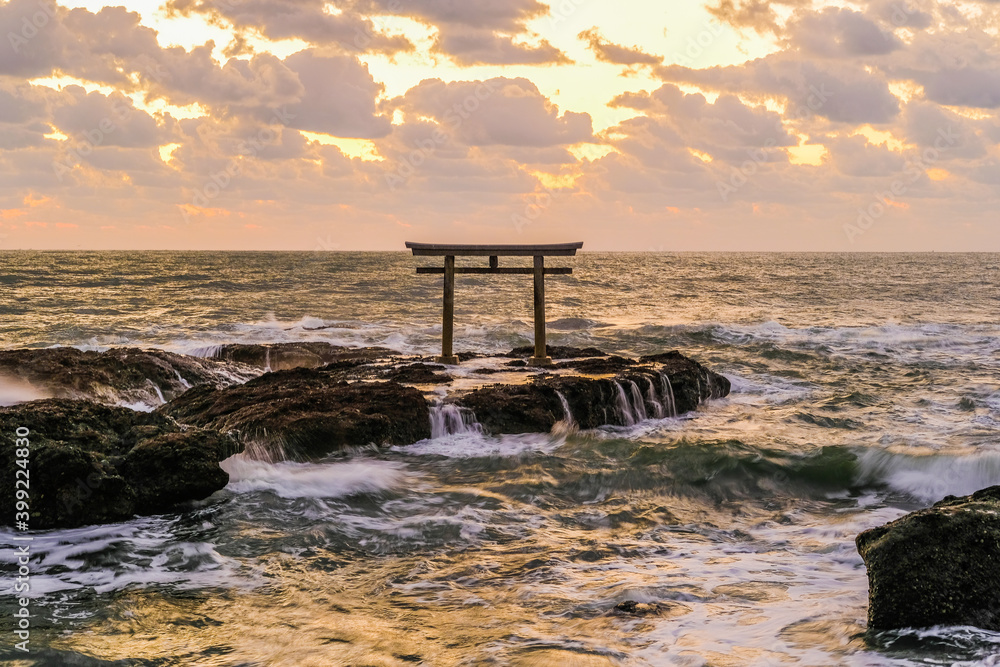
86 463
936 566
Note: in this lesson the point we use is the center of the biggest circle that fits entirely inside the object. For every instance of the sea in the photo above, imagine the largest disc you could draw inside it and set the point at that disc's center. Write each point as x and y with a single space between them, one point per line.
865 386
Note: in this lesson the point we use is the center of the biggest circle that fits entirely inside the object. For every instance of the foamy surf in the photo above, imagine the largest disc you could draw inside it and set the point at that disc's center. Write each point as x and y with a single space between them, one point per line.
289 479
930 477
16 390
478 445
114 557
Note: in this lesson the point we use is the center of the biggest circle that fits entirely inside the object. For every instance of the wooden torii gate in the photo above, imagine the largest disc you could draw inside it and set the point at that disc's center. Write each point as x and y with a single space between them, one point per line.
494 252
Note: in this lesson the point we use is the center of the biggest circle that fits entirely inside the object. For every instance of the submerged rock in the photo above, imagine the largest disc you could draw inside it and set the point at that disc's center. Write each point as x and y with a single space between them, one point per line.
658 388
307 413
117 375
91 463
936 566
667 608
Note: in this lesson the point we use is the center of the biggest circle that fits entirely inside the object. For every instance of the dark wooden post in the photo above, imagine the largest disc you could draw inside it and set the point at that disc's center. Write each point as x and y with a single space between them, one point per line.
448 319
540 358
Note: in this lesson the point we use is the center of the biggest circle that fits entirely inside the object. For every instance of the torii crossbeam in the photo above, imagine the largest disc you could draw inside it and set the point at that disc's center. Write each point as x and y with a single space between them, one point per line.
494 252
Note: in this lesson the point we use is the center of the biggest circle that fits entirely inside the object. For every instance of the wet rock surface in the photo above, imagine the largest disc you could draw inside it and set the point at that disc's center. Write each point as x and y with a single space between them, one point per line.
92 463
308 413
936 566
658 388
558 352
117 375
283 356
418 373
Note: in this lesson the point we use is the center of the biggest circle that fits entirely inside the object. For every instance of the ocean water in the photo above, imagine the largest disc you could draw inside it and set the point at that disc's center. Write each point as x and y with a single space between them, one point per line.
864 386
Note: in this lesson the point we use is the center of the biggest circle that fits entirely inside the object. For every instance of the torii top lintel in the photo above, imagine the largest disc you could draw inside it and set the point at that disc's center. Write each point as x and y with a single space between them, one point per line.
495 250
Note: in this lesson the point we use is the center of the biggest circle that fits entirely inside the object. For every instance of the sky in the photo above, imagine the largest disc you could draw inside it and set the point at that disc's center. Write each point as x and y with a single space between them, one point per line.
646 125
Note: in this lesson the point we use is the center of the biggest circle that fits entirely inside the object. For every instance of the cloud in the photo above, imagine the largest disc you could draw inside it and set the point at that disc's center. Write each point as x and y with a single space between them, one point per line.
484 47
855 156
959 67
725 129
760 15
109 120
338 96
838 32
308 20
963 86
839 92
613 53
472 32
34 38
510 112
188 77
488 14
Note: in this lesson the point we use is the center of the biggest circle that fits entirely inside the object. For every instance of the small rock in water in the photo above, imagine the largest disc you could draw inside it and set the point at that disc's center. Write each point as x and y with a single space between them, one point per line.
633 608
936 566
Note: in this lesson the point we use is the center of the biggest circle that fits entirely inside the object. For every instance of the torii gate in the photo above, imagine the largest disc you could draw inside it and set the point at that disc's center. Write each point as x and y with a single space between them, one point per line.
449 251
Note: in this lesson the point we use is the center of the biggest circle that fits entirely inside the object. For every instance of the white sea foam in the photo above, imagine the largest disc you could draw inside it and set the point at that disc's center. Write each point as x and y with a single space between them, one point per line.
948 344
143 550
138 406
930 477
289 479
16 390
473 445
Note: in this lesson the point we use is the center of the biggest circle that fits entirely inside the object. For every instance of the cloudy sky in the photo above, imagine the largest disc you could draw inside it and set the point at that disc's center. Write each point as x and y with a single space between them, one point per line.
627 124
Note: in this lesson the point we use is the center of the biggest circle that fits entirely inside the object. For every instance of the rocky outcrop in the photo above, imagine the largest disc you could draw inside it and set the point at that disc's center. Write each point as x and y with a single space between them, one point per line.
283 356
92 463
664 386
118 375
418 373
936 566
307 413
557 352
